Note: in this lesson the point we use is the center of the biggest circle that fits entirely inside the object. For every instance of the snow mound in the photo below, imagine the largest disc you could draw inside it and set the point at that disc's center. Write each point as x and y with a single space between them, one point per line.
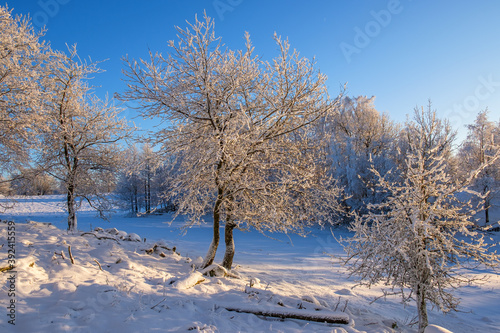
133 237
189 281
344 292
436 329
119 234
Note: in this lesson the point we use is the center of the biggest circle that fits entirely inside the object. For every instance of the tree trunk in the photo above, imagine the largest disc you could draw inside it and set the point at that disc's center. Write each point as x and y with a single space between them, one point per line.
487 215
136 201
70 201
227 262
487 208
212 250
423 320
148 190
131 203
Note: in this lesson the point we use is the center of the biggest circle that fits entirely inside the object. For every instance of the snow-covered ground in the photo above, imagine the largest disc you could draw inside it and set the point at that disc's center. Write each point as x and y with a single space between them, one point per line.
140 292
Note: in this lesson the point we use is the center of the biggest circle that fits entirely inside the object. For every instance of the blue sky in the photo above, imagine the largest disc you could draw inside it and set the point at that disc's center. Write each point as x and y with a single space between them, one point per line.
403 52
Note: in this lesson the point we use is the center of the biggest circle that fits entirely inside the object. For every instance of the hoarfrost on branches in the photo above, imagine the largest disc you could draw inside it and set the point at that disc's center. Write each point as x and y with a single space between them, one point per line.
417 241
79 135
481 144
22 58
239 130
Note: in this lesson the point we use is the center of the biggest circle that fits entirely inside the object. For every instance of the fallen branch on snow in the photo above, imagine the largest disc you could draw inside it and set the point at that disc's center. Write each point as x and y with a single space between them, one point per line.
7 268
60 254
287 313
100 237
155 247
154 306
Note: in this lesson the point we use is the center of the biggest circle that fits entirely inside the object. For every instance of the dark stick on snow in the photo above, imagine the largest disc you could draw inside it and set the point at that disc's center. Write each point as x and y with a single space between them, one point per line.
102 237
98 264
70 255
316 317
60 254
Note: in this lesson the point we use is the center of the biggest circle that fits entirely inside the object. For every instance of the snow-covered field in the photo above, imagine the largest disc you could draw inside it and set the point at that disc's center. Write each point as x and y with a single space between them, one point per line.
140 292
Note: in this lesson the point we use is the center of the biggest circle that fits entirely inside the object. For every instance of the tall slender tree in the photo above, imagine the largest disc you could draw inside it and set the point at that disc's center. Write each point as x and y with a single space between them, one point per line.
79 135
420 238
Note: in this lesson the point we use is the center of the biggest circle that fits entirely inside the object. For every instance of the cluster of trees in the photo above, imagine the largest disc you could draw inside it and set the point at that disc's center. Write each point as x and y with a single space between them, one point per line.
256 144
144 182
361 139
263 145
51 123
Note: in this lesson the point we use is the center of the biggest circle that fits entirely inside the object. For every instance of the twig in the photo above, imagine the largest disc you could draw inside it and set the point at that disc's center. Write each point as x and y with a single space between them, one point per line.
336 306
98 264
384 296
70 255
60 254
7 268
345 307
154 306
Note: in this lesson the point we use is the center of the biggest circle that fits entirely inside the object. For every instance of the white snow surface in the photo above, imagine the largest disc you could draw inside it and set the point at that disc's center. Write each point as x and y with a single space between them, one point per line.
141 292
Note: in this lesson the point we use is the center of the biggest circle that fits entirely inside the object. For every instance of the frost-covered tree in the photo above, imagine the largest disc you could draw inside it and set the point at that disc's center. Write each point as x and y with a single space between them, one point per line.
359 137
481 144
428 133
79 135
5 189
418 241
139 184
238 129
129 183
33 181
22 59
150 162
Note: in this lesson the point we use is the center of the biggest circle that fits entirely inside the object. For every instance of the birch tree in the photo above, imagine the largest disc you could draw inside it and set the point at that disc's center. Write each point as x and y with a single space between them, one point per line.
79 135
238 129
419 239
